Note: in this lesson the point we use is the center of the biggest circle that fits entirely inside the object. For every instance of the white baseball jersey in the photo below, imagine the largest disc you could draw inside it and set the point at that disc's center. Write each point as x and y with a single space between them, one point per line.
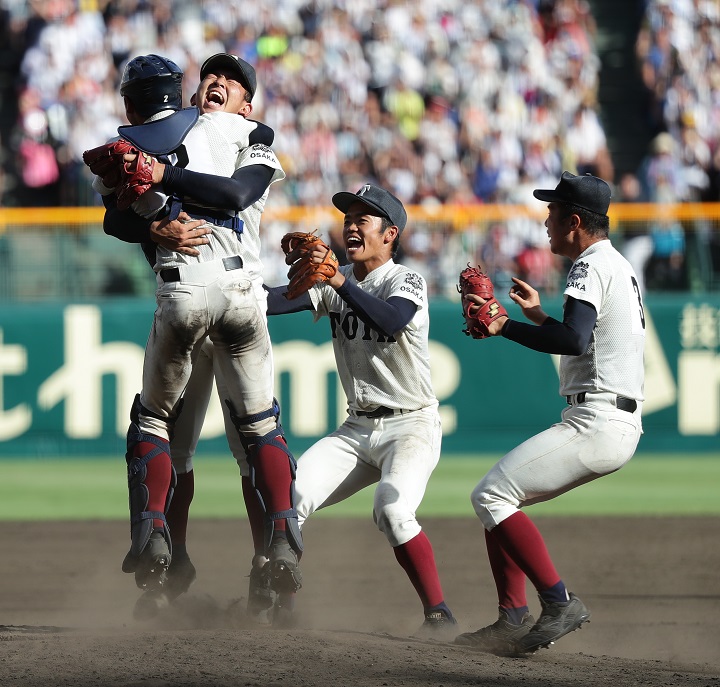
210 301
614 358
397 451
219 144
376 370
595 436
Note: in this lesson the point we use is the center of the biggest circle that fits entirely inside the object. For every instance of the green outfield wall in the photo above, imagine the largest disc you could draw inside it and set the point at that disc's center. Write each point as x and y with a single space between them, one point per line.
69 371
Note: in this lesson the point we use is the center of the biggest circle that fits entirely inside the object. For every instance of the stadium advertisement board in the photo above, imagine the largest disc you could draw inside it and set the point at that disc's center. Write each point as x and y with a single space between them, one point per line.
69 371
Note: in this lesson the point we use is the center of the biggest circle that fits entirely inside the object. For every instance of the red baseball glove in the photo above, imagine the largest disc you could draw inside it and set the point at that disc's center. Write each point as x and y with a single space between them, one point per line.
478 317
107 161
299 248
136 179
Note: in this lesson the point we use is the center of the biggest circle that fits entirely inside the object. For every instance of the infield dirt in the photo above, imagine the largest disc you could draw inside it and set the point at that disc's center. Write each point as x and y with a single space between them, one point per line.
651 584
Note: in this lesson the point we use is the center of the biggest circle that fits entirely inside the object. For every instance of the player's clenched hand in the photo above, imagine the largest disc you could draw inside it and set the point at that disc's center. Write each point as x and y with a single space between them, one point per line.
483 314
181 234
528 299
157 169
311 262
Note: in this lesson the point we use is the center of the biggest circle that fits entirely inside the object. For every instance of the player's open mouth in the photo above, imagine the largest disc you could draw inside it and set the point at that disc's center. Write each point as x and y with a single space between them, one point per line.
353 243
215 97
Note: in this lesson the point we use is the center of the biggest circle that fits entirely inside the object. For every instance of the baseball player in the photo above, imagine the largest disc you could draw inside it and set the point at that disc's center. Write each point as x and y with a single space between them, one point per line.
600 342
378 312
222 173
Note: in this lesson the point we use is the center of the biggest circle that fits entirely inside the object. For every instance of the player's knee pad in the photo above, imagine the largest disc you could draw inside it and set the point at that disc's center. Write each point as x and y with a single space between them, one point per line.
253 446
141 450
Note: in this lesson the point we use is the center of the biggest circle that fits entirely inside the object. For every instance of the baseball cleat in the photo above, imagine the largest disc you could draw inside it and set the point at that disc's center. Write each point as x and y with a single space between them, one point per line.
261 596
152 565
438 624
499 638
180 575
285 575
178 578
556 620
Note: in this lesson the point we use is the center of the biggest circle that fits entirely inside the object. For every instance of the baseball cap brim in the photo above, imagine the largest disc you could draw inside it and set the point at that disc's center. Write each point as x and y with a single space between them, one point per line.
235 64
343 200
550 195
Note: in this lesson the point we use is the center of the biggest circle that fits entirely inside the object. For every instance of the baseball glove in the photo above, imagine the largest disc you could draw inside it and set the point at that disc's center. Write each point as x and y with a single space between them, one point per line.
136 178
107 161
478 317
299 248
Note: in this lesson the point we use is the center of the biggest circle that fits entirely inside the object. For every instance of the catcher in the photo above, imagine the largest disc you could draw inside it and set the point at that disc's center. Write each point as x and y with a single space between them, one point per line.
221 300
391 437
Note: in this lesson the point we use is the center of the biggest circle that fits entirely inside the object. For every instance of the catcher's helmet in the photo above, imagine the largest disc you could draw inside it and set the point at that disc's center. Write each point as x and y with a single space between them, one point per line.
153 84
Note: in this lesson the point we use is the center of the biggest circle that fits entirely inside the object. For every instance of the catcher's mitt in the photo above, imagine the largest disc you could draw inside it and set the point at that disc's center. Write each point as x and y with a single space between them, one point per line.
478 317
136 178
107 161
299 248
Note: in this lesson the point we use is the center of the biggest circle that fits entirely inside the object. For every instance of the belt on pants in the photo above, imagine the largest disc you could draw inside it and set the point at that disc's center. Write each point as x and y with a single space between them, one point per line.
622 402
173 273
380 411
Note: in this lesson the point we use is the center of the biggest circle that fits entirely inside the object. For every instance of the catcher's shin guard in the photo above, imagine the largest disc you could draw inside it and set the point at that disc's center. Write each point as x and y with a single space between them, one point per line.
253 446
150 544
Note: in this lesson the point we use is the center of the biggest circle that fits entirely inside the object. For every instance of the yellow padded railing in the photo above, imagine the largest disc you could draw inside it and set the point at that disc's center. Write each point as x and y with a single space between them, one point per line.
459 216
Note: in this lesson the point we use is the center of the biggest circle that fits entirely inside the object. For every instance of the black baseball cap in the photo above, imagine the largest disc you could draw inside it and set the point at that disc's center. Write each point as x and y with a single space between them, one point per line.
377 198
587 192
225 60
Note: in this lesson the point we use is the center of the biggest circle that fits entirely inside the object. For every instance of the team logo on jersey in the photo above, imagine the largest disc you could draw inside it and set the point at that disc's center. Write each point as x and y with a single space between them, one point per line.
579 271
413 284
352 327
414 280
261 151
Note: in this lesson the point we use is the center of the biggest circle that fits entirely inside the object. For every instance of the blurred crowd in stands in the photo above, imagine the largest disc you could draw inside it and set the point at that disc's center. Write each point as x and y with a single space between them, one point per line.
445 102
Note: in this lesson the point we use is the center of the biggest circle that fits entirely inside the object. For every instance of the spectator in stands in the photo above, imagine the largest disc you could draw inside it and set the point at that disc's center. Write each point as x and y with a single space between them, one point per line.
661 178
353 98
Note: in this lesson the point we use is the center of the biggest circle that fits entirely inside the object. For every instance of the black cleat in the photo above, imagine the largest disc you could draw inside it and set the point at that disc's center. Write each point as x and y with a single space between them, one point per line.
437 625
499 638
556 620
285 575
261 596
151 566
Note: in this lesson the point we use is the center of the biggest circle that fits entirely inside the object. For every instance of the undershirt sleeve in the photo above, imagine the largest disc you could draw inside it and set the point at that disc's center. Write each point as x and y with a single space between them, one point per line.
569 337
277 304
125 225
386 317
246 186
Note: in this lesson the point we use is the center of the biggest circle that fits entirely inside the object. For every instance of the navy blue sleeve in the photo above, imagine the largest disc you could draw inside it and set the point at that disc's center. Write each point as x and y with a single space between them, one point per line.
569 337
386 317
237 192
277 304
125 225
